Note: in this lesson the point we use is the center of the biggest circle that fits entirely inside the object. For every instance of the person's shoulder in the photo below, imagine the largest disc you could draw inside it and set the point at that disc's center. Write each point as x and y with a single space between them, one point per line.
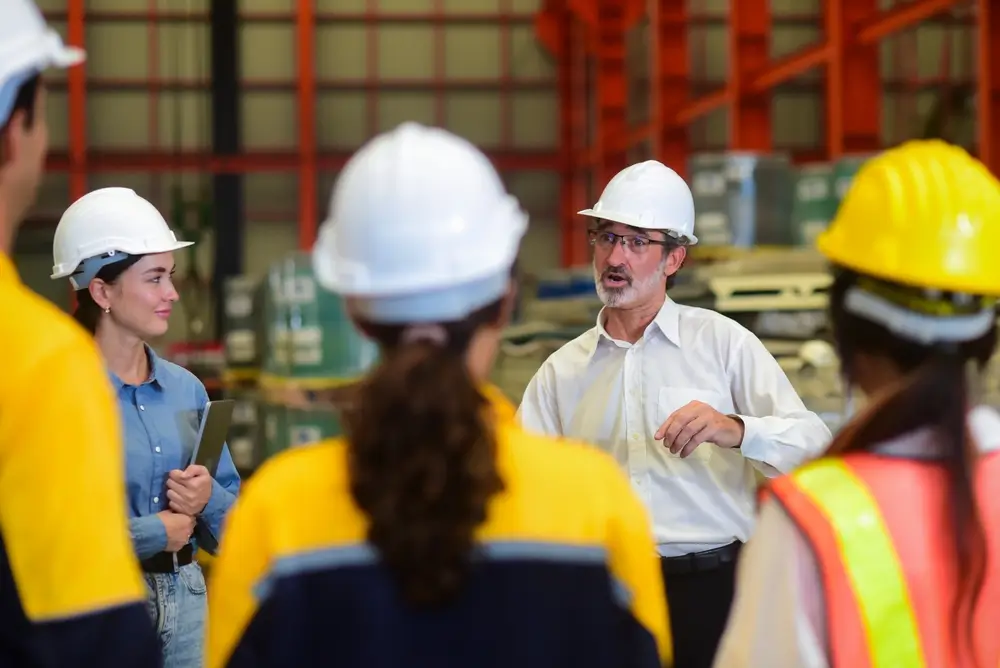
299 472
572 356
36 332
712 323
567 468
171 372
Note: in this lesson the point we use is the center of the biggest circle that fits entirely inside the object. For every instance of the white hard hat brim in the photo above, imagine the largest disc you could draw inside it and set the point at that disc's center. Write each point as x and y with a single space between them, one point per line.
630 220
67 56
65 271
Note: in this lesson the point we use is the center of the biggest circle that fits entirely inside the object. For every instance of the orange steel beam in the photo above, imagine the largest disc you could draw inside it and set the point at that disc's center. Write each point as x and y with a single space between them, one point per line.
864 30
989 84
879 26
787 68
567 140
853 85
106 162
439 65
77 83
306 66
372 95
580 251
670 80
749 52
612 121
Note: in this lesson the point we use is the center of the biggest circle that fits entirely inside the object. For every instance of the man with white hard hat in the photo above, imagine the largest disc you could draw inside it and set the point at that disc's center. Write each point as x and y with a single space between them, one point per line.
689 402
70 589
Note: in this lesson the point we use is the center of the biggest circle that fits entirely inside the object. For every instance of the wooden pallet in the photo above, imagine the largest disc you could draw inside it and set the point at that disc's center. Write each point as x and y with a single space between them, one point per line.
770 292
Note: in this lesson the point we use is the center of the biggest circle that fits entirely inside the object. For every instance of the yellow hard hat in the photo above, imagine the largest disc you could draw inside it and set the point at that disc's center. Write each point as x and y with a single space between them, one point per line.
925 214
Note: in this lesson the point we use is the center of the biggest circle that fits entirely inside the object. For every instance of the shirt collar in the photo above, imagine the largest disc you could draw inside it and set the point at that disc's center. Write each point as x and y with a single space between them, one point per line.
667 320
155 371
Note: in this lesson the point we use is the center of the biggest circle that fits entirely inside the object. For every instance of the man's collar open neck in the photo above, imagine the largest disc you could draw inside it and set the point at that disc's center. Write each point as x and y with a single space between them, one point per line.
629 324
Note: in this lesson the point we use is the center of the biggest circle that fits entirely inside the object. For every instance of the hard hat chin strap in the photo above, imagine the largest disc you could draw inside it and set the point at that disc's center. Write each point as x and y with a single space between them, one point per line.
918 327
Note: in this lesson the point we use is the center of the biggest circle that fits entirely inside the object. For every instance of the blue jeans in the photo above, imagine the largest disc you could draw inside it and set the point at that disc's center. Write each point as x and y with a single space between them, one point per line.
178 605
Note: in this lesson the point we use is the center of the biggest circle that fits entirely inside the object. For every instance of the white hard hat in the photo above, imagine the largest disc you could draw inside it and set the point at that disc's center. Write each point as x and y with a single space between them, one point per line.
421 229
651 196
106 226
27 47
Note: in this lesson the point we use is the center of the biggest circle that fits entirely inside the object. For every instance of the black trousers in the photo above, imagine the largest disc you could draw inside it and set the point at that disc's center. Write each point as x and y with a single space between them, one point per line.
699 605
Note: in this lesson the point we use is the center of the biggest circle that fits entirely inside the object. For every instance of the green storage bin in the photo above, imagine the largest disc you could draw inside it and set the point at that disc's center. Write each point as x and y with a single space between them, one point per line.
275 423
815 203
304 427
239 327
274 347
322 342
844 172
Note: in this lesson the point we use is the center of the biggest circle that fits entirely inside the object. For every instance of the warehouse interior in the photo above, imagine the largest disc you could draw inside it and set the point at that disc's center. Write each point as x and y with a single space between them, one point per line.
233 118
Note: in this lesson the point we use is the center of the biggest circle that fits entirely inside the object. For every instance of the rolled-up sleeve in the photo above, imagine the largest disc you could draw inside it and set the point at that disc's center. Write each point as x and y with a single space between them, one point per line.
779 432
149 535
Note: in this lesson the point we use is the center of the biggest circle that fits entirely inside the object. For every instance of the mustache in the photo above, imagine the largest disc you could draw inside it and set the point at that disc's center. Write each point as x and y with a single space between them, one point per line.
617 272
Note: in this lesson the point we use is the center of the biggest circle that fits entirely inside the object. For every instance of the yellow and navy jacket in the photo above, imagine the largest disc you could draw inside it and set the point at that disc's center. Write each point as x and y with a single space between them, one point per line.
568 574
71 593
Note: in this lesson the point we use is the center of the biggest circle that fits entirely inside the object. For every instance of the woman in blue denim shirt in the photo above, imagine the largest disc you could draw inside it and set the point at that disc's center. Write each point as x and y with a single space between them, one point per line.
117 251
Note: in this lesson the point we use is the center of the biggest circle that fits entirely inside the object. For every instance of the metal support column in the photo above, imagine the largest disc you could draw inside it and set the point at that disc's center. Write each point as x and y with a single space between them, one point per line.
227 189
989 84
77 81
306 67
749 54
612 117
670 81
853 83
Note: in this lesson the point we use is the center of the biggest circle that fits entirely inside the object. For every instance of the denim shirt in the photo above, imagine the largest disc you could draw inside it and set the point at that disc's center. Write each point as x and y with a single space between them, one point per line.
161 418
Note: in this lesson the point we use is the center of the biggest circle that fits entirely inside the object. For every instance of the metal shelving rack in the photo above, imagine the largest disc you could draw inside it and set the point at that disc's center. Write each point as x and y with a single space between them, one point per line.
307 160
589 40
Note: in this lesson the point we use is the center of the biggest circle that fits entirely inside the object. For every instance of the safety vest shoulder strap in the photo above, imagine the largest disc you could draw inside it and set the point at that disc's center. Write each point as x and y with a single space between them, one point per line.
871 618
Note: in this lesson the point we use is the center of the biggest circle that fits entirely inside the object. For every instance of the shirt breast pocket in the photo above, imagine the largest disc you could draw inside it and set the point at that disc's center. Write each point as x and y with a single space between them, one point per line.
673 398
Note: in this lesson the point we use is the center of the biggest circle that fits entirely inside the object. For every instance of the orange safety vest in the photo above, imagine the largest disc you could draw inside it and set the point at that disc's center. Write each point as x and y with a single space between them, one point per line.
880 530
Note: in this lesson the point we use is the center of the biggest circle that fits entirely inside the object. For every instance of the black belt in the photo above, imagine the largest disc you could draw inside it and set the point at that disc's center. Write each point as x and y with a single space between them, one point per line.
700 562
163 562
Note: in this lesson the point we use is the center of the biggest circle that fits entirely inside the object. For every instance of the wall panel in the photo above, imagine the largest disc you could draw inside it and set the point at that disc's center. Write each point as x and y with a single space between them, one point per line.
341 52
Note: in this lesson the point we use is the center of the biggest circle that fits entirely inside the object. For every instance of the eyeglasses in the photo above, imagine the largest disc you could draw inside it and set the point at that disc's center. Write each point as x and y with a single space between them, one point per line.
635 243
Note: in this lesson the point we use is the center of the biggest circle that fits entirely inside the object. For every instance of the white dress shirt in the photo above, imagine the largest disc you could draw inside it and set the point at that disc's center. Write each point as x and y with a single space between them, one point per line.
616 395
779 612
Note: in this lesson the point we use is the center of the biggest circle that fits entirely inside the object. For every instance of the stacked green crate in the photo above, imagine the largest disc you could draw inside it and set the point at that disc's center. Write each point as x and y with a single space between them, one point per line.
325 348
239 325
274 419
844 172
244 437
741 199
815 202
274 359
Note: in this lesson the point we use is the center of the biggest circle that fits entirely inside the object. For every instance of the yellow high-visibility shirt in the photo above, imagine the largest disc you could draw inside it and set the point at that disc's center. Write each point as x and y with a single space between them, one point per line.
565 571
70 588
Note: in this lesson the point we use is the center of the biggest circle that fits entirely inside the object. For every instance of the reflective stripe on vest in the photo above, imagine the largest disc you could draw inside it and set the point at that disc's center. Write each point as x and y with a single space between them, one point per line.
869 559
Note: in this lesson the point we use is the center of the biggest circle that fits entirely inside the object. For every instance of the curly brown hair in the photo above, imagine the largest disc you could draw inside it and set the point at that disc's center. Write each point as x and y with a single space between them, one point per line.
422 457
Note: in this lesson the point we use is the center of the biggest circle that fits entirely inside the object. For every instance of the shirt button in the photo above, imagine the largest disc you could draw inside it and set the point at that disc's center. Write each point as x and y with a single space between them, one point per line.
141 407
157 448
156 499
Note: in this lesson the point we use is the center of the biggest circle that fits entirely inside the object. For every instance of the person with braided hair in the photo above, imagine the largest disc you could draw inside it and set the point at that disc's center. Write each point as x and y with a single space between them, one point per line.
436 533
